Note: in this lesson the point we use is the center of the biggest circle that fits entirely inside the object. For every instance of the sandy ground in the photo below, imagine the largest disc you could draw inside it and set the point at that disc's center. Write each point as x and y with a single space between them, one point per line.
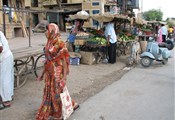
83 82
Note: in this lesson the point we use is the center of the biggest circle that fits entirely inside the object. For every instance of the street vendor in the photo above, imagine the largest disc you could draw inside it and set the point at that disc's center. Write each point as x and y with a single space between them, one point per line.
75 29
112 40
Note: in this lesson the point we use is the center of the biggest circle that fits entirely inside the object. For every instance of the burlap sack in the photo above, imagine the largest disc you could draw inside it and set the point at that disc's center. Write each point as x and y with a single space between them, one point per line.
143 45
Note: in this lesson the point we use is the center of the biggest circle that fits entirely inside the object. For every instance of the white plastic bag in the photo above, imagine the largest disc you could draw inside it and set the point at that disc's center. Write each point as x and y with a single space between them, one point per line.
67 108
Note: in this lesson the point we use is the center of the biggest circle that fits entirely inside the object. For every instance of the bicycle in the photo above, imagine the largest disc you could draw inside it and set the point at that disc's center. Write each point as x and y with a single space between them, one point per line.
39 64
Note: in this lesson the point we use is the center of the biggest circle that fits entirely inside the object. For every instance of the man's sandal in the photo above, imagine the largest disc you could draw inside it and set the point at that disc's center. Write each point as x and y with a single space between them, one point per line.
2 106
7 104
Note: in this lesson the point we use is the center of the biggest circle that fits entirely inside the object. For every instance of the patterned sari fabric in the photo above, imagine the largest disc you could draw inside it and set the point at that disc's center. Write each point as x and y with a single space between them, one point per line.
56 52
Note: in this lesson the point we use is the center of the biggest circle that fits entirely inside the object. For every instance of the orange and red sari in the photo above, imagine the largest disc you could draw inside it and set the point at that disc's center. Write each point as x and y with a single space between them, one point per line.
56 52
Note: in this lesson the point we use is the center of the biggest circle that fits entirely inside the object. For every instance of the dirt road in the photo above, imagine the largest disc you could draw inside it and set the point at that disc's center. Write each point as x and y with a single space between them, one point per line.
83 82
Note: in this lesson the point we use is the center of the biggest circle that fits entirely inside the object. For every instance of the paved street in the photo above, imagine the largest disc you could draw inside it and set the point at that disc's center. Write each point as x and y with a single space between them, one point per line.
141 94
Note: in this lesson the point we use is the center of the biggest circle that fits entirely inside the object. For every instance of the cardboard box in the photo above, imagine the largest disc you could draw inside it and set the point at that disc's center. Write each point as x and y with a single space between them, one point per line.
88 58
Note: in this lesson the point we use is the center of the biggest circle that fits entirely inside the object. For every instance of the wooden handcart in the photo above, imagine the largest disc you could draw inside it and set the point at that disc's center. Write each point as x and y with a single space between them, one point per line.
27 60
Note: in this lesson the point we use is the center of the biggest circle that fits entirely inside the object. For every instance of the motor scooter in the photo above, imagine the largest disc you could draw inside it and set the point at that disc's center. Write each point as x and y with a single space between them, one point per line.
154 52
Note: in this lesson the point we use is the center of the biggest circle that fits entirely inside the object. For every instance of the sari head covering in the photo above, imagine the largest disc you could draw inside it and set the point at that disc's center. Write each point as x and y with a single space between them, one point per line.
55 46
53 31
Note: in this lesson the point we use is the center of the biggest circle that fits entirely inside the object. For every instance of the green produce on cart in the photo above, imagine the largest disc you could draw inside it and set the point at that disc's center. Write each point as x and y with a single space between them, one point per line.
96 41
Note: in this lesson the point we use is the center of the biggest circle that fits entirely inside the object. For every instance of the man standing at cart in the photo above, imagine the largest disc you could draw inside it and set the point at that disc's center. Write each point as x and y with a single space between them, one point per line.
42 24
112 40
6 73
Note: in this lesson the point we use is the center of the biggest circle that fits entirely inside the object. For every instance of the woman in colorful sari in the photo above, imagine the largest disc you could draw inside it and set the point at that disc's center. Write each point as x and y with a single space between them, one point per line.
55 71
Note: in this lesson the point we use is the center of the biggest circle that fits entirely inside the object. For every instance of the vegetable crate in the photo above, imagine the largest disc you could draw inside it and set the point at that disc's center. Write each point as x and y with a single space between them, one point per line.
79 42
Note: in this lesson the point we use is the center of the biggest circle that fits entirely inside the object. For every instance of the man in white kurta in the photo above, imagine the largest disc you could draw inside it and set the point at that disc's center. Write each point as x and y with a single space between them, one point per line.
6 70
112 39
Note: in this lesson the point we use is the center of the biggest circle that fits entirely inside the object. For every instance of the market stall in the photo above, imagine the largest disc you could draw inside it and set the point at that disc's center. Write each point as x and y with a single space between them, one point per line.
90 42
93 44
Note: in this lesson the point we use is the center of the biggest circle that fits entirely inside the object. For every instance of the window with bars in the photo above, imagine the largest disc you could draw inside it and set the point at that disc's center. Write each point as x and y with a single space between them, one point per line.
94 22
95 4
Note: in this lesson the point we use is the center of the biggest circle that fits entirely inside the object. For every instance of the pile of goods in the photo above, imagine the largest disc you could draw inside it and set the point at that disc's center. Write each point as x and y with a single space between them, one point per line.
81 38
96 41
126 37
82 35
96 32
83 15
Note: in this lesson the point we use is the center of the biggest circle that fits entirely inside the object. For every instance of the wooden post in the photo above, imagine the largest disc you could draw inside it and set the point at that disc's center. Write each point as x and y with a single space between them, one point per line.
23 27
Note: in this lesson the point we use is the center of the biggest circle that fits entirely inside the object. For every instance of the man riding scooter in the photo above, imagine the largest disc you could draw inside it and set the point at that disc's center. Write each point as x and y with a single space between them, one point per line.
166 41
170 32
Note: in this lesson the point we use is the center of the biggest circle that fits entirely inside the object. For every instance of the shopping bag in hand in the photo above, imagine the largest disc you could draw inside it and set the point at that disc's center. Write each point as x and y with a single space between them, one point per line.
67 108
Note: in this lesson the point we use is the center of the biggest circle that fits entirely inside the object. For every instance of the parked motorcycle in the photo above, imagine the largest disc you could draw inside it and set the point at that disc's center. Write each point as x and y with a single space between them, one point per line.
155 52
169 44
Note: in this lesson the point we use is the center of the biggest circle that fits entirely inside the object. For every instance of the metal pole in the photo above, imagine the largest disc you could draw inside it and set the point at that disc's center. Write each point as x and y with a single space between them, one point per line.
29 31
141 6
4 26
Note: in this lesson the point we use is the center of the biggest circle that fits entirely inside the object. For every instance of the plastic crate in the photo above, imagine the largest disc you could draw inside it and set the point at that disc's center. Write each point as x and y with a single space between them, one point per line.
74 60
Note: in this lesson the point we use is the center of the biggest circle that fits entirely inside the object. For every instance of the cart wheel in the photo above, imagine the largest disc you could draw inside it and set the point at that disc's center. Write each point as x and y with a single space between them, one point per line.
30 63
128 48
165 61
118 50
146 61
39 65
20 73
121 48
118 53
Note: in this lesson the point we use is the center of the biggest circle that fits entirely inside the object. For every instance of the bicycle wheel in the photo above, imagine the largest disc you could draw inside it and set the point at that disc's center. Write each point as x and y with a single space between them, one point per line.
39 65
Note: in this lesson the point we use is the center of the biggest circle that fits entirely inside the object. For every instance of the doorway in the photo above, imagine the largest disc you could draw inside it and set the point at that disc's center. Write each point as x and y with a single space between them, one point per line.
35 19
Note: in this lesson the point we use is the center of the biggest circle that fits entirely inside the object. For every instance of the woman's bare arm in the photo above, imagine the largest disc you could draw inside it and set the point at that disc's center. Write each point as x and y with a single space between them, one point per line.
64 69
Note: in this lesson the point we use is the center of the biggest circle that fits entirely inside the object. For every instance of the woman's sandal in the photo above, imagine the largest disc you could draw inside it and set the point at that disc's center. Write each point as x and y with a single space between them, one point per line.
76 107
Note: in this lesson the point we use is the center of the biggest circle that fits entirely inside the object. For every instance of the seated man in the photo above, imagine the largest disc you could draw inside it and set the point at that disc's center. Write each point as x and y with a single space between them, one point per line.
43 23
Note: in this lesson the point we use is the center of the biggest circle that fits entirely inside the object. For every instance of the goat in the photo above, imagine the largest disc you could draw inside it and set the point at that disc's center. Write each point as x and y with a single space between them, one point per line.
134 56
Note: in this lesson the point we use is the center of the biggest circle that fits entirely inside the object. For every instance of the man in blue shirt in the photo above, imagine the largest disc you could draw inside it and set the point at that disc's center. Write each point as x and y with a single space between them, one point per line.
77 28
164 32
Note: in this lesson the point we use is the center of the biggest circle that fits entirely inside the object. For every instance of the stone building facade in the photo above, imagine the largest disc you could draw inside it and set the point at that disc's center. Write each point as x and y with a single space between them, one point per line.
19 13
